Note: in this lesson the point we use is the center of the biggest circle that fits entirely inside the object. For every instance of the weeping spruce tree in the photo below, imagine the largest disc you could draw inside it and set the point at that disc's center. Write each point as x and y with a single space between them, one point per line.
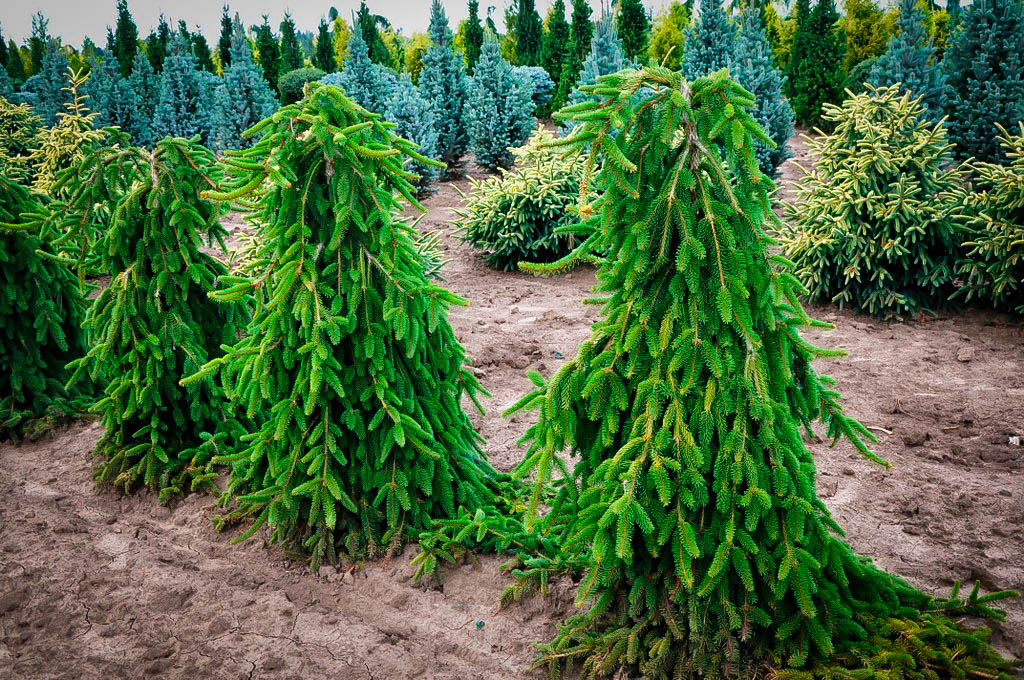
155 323
350 357
693 499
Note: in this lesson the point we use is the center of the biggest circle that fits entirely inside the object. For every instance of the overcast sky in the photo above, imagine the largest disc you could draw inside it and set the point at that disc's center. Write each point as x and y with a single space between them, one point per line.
72 20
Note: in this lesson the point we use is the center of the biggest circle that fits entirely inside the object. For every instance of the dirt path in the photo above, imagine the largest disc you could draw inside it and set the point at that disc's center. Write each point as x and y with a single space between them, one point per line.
94 586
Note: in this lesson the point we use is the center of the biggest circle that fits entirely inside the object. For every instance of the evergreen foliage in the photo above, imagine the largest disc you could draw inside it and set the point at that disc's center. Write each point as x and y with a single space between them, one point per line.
291 53
632 26
41 310
154 324
754 70
242 99
521 214
993 265
291 84
529 34
710 40
500 108
19 126
692 500
350 354
269 52
474 35
157 44
49 86
540 83
114 100
815 75
39 42
414 118
366 24
581 31
858 78
868 29
15 66
323 54
183 108
200 49
874 227
367 83
605 57
126 38
984 68
668 36
443 84
6 88
146 87
910 61
224 41
556 47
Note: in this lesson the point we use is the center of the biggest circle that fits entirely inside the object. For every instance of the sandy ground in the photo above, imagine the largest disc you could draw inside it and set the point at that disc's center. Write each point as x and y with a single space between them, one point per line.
93 585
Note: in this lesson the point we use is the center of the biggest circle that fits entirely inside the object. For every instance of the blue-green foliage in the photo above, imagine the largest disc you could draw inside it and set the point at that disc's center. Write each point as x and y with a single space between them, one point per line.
984 66
754 69
908 61
6 89
366 83
146 86
243 98
500 108
606 56
540 81
46 90
113 99
443 85
414 116
710 41
183 109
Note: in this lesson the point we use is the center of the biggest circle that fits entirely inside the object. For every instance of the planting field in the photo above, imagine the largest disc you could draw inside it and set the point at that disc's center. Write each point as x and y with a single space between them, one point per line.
94 585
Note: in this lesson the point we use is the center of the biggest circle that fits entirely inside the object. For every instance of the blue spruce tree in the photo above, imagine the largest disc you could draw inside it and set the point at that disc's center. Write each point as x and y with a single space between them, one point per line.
183 108
366 83
984 68
243 98
47 90
114 100
146 86
909 61
753 68
6 89
710 41
605 56
408 109
500 108
443 85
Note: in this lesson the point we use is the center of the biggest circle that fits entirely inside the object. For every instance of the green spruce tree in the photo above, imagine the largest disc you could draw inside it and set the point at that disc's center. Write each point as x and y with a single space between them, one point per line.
269 52
350 356
910 61
555 52
815 76
581 31
366 25
692 499
15 66
443 85
529 32
754 69
19 127
155 323
38 42
126 38
291 53
224 41
984 67
474 35
41 311
500 109
710 41
157 43
242 99
606 56
323 53
632 25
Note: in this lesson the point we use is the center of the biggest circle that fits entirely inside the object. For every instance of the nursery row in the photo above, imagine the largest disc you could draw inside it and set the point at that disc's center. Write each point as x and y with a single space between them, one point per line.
327 377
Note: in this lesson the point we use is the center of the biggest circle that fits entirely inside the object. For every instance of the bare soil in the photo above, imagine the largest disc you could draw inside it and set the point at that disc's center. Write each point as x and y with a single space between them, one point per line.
93 585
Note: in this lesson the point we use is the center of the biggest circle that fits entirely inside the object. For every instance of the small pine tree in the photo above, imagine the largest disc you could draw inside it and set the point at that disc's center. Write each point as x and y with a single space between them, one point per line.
224 41
984 68
126 39
993 264
555 51
183 109
605 57
529 30
291 53
323 53
366 24
19 126
200 49
367 83
41 311
474 35
849 244
269 52
691 505
633 26
710 41
581 31
15 66
815 76
910 61
443 85
157 44
365 442
39 42
540 83
500 109
6 88
48 87
114 99
754 69
146 87
414 116
155 323
668 36
242 99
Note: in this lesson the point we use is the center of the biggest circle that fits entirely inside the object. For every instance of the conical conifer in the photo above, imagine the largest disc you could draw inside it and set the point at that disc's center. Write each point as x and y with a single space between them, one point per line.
48 87
183 108
366 83
146 86
605 56
155 324
692 501
243 98
350 356
710 41
443 85
414 118
500 108
41 310
910 62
